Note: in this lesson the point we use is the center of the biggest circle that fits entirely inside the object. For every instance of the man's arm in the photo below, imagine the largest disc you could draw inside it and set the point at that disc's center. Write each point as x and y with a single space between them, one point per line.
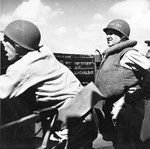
135 60
8 83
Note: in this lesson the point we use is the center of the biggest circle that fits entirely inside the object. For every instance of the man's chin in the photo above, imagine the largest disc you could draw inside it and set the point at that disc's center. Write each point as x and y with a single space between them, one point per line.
110 45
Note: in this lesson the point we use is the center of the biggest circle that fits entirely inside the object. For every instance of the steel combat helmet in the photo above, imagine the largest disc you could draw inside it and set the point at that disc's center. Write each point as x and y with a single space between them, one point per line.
24 33
120 26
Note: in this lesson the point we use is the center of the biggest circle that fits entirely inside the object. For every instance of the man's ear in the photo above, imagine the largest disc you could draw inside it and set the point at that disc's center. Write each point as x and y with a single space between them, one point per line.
20 50
123 38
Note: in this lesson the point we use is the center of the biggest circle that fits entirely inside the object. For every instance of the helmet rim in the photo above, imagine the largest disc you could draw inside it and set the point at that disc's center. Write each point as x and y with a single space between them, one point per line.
107 29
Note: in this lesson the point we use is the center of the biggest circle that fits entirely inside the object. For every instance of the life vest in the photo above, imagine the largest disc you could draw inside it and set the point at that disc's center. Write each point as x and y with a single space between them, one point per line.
112 79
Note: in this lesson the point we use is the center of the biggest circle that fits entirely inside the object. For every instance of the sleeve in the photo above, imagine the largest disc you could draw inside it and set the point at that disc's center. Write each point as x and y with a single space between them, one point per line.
9 82
135 59
139 61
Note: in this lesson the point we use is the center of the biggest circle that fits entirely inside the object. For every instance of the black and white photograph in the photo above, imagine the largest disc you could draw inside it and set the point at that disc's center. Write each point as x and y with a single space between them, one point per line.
75 74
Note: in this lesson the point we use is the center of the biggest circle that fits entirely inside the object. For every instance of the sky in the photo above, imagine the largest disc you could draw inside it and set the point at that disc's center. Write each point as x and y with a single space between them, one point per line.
76 26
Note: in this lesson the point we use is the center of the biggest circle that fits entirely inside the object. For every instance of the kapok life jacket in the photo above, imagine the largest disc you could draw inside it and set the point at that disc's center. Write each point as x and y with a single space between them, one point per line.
112 79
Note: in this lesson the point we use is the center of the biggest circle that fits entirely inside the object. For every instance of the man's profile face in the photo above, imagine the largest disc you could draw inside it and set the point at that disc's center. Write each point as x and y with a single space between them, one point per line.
113 37
9 49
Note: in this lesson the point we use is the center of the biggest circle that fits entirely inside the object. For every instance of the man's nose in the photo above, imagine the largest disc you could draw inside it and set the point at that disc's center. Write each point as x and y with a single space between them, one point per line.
3 42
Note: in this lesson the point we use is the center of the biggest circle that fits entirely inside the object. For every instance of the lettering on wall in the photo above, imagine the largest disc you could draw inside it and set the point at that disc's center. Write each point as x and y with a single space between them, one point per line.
83 66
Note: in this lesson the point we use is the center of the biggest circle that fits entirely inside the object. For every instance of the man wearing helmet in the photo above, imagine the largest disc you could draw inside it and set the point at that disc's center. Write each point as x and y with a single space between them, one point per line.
122 79
35 66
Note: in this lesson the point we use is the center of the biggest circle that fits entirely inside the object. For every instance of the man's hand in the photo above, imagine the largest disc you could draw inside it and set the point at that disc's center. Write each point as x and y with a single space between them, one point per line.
116 108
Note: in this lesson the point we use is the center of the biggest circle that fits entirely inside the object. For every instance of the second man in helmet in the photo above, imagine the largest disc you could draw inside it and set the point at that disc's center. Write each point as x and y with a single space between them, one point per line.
120 79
